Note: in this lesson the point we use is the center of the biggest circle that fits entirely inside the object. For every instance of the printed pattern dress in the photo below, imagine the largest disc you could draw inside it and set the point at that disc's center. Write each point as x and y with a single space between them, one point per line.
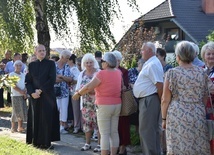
89 116
186 127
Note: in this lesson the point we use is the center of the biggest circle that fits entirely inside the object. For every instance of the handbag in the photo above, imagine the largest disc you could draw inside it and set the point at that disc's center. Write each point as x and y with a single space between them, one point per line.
57 90
129 104
57 87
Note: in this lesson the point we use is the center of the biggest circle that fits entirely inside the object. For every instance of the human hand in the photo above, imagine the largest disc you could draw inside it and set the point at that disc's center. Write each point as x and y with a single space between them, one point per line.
164 124
35 95
76 96
38 91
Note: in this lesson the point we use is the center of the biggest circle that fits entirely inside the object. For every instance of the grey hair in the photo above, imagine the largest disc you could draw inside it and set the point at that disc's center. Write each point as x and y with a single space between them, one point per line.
65 53
110 58
197 51
207 47
185 51
17 62
151 46
89 56
118 55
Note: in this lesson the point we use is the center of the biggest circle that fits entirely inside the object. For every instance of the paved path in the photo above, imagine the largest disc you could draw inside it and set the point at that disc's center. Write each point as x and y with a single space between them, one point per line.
70 144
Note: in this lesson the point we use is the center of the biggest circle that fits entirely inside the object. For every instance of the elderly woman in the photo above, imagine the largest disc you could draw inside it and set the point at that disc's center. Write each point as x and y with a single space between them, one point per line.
124 121
89 67
182 105
18 96
108 102
63 77
207 54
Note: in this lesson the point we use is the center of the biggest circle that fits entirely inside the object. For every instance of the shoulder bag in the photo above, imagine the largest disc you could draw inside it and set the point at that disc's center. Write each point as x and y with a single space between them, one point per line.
129 104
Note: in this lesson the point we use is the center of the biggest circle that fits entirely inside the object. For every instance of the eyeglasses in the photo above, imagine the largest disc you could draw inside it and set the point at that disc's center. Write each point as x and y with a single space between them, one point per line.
102 61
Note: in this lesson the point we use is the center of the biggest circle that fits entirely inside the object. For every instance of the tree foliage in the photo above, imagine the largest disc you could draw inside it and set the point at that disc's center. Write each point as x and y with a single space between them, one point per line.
210 37
16 25
94 18
130 45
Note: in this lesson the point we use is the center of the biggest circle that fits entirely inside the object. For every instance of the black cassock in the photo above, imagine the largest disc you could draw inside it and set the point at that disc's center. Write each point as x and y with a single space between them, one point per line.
43 116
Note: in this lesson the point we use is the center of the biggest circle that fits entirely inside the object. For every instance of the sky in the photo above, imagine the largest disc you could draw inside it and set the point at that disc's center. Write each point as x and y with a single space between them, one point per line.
119 26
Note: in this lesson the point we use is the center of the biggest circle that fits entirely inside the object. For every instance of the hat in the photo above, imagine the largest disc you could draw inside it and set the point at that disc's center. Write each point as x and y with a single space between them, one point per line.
98 54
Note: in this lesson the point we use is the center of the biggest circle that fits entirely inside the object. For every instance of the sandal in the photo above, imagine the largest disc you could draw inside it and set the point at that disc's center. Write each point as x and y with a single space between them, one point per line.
97 149
21 130
86 147
13 130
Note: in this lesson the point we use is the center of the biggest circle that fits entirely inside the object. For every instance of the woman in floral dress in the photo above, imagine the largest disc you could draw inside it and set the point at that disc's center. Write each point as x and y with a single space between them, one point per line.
90 67
183 105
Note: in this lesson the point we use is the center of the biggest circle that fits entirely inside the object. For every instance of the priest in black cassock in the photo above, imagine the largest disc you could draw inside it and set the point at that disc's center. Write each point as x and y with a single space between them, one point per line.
43 116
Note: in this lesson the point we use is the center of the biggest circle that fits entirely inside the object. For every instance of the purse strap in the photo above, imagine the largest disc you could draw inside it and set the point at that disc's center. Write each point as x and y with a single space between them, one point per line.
210 100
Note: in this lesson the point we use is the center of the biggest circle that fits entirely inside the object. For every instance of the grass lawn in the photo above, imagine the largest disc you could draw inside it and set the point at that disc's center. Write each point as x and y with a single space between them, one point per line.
10 146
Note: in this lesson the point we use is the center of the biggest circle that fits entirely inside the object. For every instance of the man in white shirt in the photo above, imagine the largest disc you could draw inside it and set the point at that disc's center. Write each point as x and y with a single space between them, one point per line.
148 89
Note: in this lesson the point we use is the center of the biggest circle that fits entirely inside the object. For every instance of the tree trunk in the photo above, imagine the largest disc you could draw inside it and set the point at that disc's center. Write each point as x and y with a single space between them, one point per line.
43 34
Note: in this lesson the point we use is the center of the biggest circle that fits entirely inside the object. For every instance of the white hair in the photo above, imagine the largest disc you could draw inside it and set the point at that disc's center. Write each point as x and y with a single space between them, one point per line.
87 57
17 62
118 55
151 46
65 53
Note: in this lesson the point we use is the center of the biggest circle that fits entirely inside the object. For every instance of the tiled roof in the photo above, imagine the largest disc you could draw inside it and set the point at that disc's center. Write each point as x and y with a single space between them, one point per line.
160 12
186 14
191 19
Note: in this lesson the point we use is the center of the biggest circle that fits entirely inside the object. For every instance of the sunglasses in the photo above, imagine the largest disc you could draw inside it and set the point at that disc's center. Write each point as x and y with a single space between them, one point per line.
102 61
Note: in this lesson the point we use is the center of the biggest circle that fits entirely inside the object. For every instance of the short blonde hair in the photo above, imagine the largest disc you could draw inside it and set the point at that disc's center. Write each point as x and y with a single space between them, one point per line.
207 47
89 56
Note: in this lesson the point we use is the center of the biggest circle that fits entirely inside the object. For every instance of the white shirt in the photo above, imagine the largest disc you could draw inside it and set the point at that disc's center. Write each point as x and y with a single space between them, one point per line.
151 73
74 74
20 84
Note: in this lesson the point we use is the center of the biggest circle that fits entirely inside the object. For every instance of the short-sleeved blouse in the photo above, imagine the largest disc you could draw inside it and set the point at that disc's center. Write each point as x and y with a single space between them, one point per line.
187 85
65 71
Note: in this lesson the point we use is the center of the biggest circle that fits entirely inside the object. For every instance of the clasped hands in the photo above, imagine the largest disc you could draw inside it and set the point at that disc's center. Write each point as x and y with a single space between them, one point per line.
36 94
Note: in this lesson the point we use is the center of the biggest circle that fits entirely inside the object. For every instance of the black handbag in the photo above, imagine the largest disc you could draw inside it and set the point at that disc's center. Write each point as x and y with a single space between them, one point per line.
57 87
57 90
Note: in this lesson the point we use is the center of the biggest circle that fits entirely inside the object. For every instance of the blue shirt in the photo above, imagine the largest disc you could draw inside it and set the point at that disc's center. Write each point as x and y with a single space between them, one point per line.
198 62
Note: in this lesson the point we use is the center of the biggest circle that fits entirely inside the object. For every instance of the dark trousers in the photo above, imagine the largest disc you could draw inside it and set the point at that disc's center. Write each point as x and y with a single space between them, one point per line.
1 98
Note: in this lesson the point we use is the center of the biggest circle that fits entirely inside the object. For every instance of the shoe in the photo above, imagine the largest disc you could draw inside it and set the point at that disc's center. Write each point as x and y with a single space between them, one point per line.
86 147
21 130
63 131
97 149
124 153
67 129
13 130
51 147
95 138
75 131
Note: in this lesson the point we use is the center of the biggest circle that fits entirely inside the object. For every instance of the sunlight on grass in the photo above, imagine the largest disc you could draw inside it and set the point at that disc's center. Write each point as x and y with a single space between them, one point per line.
10 146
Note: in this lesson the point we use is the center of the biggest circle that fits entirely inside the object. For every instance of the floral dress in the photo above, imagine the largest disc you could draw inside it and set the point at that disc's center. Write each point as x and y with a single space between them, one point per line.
186 127
89 116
